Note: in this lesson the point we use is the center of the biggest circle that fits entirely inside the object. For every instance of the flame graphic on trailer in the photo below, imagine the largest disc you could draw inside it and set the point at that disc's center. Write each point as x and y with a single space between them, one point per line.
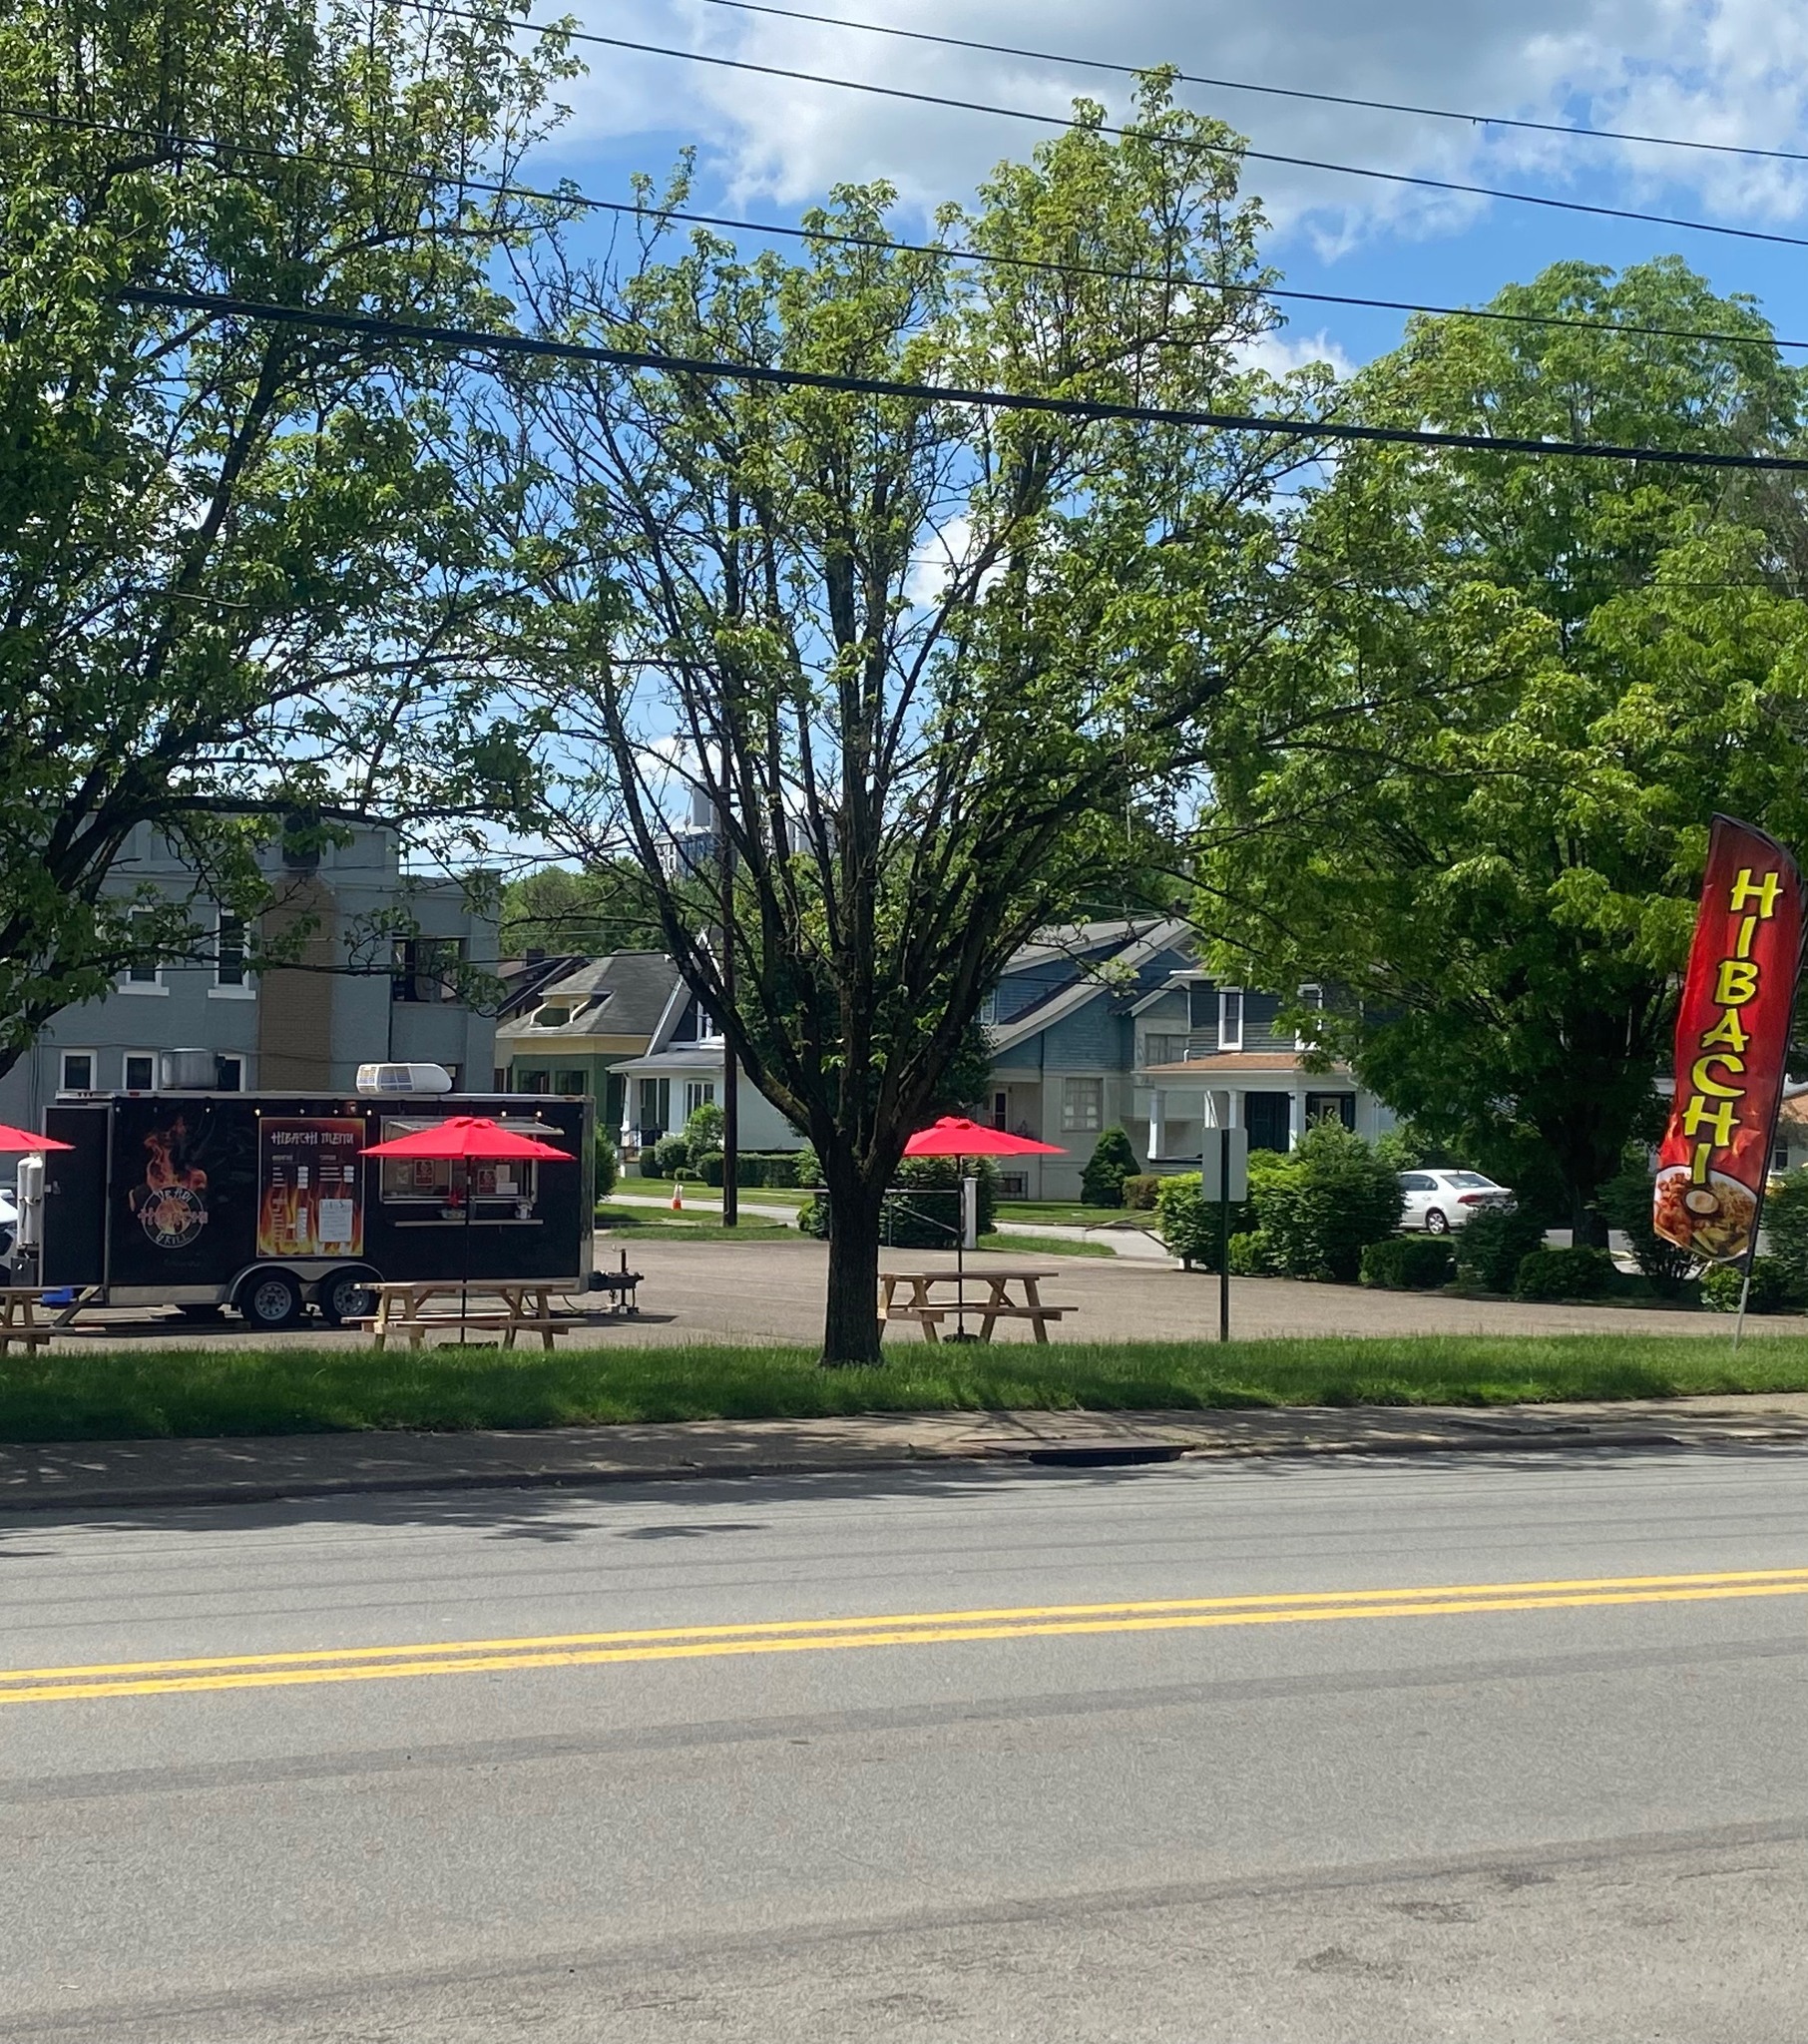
311 1186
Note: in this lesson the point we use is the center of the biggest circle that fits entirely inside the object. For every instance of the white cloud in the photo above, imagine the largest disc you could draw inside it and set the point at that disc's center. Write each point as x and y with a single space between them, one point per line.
1280 353
1721 70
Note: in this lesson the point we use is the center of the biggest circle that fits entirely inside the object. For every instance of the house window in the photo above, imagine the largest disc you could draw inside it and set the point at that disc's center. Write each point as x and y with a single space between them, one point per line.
698 1093
1231 1018
1200 1009
427 968
1081 1105
143 975
1311 998
534 1082
138 1071
230 1074
696 1024
571 1081
1163 1049
78 1070
229 953
1001 1109
989 1009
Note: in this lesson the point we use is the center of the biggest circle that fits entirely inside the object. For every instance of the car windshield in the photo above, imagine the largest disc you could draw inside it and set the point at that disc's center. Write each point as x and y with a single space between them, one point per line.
1467 1179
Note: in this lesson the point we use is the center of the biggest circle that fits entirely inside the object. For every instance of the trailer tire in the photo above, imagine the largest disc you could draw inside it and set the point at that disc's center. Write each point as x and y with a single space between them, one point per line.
343 1294
269 1300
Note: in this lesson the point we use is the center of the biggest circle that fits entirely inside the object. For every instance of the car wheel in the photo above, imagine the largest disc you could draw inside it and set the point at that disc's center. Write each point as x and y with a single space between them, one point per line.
343 1297
1436 1223
270 1300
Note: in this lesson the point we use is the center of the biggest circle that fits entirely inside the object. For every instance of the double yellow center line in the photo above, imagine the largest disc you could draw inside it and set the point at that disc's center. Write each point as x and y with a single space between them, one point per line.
901 1628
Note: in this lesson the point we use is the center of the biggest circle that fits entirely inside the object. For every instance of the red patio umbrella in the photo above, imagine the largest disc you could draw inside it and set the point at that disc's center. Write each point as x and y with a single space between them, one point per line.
467 1138
957 1136
22 1139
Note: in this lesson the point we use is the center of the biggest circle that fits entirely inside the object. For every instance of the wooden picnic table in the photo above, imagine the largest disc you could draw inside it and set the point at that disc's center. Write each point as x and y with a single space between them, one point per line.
509 1303
18 1322
994 1302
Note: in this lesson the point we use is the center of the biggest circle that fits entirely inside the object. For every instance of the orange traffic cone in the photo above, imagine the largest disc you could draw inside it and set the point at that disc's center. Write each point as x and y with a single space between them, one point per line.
678 1197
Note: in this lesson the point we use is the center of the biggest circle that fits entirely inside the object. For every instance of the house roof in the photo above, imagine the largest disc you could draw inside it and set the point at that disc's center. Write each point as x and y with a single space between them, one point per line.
679 1058
625 994
1128 945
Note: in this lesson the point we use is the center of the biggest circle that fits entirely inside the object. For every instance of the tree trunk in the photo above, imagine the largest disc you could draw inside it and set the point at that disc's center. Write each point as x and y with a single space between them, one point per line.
1588 1227
851 1332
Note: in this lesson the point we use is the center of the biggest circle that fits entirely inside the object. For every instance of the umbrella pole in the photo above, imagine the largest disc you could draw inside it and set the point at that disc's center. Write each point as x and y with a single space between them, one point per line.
464 1283
959 1248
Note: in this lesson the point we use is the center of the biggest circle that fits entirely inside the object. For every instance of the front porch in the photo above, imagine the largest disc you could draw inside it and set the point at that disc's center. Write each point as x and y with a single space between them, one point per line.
1275 1103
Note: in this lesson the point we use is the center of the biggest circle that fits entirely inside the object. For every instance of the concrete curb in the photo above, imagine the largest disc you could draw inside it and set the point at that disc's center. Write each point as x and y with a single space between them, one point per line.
1146 1446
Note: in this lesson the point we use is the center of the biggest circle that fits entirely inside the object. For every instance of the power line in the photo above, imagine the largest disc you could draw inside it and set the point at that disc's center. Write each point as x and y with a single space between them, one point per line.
1285 92
568 196
1265 156
478 340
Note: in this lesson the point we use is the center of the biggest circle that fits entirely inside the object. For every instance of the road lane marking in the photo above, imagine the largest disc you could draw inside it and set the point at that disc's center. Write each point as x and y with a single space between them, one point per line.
901 1628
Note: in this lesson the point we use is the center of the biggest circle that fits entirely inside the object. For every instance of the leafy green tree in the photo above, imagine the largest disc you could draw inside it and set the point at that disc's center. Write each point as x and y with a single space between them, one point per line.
243 569
1324 1202
594 912
1475 791
924 661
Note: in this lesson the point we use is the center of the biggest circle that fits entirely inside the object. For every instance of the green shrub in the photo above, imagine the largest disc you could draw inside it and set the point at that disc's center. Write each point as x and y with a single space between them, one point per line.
709 1165
1772 1290
1625 1204
1111 1162
609 1164
646 1163
1189 1224
1579 1272
1494 1244
1138 1191
1408 1263
703 1128
782 1169
671 1153
1786 1226
809 1171
1254 1254
1323 1205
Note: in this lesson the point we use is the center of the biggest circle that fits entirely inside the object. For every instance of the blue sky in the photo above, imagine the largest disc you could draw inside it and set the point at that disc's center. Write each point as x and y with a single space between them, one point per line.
1732 71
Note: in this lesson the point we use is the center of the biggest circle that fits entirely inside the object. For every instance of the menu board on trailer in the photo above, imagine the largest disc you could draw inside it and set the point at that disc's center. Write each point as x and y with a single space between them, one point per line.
310 1181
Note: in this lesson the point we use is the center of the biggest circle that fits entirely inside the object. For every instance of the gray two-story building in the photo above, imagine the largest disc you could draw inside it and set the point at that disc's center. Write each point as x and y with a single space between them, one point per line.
384 972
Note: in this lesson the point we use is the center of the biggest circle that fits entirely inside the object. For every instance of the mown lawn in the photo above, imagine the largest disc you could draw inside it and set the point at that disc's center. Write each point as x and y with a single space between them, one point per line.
123 1394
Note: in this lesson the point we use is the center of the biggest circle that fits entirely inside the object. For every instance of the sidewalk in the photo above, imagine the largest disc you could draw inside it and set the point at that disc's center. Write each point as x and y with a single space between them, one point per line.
124 1476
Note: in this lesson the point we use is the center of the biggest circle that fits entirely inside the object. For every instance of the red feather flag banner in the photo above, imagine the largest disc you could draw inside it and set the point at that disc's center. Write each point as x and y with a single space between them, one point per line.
1732 1044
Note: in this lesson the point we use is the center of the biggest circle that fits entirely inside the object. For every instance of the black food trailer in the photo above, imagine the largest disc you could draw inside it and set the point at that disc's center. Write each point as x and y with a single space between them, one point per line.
265 1201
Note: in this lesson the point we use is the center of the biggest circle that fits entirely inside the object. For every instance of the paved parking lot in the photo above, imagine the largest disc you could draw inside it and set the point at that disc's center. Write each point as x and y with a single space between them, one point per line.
773 1291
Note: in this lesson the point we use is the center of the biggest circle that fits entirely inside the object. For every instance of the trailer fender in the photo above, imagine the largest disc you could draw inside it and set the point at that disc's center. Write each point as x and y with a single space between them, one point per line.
268 1297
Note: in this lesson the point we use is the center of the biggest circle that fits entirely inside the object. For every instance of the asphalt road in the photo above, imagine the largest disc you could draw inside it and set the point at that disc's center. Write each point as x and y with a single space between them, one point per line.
1488 1750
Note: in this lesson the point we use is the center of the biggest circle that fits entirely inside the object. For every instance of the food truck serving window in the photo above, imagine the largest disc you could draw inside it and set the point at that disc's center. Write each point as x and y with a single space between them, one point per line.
433 1181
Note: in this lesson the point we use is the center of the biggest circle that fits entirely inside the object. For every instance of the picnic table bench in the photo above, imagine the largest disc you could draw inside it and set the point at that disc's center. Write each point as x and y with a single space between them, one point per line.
18 1322
517 1307
921 1303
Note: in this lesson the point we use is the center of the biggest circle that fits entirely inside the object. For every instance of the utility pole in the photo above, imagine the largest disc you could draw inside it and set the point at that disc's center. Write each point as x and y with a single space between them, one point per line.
730 1078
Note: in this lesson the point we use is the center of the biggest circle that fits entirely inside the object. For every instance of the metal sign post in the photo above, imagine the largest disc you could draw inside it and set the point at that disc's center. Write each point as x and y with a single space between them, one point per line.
1223 1178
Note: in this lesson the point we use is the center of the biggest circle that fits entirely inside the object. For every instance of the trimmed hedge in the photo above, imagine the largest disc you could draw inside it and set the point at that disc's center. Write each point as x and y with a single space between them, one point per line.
671 1153
709 1165
1579 1272
1324 1203
1786 1226
1189 1224
1111 1162
1140 1191
923 1206
751 1167
1254 1254
1408 1263
1492 1246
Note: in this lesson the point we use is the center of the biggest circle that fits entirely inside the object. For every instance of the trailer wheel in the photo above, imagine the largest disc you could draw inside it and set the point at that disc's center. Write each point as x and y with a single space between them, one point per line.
344 1295
271 1298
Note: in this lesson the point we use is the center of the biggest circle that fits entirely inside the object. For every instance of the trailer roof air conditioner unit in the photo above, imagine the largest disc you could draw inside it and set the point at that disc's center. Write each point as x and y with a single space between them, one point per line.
394 1079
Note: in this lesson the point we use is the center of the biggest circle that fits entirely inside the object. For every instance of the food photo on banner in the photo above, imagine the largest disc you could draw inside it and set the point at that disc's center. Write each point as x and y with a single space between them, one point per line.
1732 1045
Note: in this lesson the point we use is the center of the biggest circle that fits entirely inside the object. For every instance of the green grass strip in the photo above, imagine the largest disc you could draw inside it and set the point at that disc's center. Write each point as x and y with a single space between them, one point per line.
209 1392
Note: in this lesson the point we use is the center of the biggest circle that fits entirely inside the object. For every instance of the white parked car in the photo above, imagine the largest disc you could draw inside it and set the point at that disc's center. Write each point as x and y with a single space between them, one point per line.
1439 1201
